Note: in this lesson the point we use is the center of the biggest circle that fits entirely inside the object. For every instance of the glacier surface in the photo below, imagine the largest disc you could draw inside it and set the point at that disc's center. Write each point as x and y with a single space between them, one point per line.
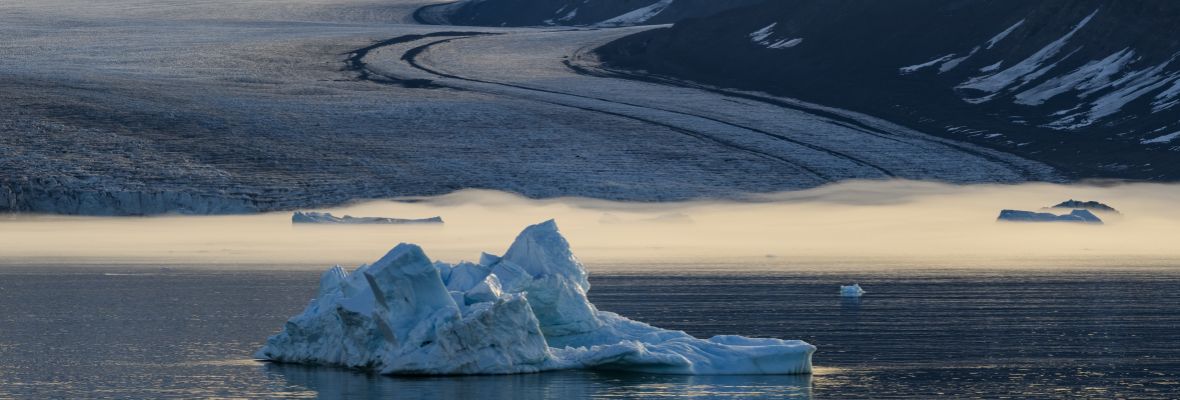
525 311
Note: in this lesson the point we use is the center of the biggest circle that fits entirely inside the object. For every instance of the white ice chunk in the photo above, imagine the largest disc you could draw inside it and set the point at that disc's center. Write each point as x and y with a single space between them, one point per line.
853 290
466 275
487 260
397 317
485 291
513 278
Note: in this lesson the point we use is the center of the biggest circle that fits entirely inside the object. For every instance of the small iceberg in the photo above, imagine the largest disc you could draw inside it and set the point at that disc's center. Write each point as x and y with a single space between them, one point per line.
853 290
525 311
1092 206
1075 216
310 217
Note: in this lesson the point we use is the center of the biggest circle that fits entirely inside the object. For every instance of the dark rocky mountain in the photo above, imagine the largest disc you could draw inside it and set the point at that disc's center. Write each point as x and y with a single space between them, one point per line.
1089 86
580 12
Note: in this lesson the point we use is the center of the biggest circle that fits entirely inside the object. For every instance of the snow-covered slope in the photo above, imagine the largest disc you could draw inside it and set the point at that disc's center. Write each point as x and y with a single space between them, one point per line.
1091 86
524 312
603 13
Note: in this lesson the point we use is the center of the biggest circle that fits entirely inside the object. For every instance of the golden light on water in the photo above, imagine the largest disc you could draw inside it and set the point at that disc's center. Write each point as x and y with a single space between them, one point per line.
855 222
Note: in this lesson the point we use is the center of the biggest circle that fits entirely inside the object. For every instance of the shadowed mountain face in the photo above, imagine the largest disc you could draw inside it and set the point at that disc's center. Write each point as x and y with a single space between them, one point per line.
1090 86
582 12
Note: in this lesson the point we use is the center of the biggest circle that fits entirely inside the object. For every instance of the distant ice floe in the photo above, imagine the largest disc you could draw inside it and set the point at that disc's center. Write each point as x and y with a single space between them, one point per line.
569 16
311 217
526 311
853 290
1092 206
1075 216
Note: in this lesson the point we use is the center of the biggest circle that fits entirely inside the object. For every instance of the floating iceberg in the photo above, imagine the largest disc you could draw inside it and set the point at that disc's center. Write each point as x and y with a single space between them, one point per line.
1092 206
526 311
1077 216
311 217
853 290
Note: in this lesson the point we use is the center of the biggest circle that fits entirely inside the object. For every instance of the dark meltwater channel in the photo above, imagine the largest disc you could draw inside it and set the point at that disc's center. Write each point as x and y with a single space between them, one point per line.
123 332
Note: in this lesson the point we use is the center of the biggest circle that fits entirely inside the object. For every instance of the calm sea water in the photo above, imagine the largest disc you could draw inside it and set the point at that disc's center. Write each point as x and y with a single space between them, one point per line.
124 332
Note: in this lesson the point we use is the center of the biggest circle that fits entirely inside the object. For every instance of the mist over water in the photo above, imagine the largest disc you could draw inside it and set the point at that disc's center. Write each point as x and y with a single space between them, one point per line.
850 224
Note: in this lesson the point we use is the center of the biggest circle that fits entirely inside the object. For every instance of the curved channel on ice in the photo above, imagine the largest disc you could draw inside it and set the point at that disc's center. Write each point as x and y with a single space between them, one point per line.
525 311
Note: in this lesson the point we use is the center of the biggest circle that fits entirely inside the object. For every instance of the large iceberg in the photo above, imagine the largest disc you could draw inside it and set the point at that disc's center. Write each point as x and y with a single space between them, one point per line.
526 311
1092 206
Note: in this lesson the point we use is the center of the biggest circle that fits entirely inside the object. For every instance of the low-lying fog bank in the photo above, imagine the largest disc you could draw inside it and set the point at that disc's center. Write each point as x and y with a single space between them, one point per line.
853 224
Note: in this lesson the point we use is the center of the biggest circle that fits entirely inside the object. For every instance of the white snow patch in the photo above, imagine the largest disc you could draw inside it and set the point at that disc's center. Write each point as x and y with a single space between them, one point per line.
918 67
1162 139
526 312
785 43
1166 99
762 34
996 39
638 16
953 63
993 67
763 37
1020 71
1130 87
1095 75
570 16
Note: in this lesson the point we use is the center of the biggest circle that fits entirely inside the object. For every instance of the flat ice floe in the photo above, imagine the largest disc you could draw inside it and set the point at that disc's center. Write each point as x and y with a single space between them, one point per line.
523 312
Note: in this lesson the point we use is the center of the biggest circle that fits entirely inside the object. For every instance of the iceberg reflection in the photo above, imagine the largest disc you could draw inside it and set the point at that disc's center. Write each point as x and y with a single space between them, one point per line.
334 383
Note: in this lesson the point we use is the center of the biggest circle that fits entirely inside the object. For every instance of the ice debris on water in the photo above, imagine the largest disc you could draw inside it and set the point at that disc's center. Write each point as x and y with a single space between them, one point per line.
853 290
1075 216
